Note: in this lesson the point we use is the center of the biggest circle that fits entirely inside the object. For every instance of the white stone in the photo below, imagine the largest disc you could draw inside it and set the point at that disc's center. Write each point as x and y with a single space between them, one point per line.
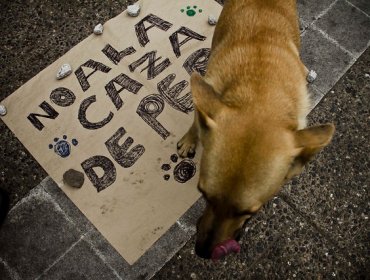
367 75
312 75
212 20
98 30
2 110
64 71
133 10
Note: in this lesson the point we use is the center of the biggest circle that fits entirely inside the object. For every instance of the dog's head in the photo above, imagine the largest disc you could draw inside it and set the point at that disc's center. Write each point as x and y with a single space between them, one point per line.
244 163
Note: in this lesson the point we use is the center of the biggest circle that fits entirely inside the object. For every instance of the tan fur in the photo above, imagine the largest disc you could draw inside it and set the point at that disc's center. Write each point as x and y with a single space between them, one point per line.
250 115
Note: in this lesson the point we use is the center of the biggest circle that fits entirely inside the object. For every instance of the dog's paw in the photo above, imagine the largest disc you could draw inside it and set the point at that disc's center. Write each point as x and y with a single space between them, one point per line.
186 146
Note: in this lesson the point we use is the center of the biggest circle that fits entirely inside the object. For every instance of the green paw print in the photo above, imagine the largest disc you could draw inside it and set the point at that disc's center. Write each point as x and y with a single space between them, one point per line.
191 11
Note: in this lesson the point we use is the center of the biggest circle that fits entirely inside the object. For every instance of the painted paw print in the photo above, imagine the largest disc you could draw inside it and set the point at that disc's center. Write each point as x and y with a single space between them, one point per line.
184 170
191 10
62 147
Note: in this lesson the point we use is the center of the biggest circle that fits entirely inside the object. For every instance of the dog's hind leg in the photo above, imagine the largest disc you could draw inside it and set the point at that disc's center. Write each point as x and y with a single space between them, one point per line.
186 146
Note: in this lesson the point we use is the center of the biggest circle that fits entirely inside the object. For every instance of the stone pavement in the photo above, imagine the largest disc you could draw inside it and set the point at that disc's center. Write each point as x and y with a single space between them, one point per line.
317 227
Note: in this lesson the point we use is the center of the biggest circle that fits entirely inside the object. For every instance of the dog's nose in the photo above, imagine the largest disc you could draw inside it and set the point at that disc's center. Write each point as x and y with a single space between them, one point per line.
202 251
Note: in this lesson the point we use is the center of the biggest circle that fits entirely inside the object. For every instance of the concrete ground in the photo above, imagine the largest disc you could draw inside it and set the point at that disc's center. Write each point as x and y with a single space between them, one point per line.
317 227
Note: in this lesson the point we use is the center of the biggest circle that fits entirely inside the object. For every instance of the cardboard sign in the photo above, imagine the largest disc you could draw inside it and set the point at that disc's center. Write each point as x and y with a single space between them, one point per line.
117 118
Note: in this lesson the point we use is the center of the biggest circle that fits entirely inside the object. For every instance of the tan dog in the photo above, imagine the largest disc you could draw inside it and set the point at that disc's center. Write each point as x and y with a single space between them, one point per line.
250 116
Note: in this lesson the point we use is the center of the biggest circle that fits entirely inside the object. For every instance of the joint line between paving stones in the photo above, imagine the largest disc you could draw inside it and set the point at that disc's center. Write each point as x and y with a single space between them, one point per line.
55 203
265 253
58 208
101 256
332 40
41 193
24 199
62 256
318 89
357 8
13 274
172 255
320 15
321 231
286 199
311 101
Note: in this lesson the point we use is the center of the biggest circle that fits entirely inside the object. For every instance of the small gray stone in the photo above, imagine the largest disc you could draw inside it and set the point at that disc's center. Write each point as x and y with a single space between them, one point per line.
74 178
2 110
98 30
133 10
64 71
212 20
311 76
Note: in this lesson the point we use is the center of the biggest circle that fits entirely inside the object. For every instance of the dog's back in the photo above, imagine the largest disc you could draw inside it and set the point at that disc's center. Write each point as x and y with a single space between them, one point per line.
256 49
251 17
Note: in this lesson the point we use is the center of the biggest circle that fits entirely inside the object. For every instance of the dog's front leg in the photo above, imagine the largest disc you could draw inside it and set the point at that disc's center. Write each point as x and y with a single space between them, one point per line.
186 146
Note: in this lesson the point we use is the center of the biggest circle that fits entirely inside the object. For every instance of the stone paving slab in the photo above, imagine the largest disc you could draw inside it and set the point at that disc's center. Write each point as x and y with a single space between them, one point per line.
363 5
80 262
278 243
46 237
300 252
354 31
68 207
35 234
162 250
339 178
315 95
86 233
260 234
309 10
325 57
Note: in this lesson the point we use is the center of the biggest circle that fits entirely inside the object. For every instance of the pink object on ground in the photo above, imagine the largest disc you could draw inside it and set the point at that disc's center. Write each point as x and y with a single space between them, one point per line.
225 248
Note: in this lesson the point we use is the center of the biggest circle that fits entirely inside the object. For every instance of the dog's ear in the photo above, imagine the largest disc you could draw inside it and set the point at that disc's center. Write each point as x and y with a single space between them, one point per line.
311 140
205 99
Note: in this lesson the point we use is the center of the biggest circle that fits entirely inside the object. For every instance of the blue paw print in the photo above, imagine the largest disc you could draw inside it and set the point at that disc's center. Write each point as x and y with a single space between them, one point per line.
62 147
